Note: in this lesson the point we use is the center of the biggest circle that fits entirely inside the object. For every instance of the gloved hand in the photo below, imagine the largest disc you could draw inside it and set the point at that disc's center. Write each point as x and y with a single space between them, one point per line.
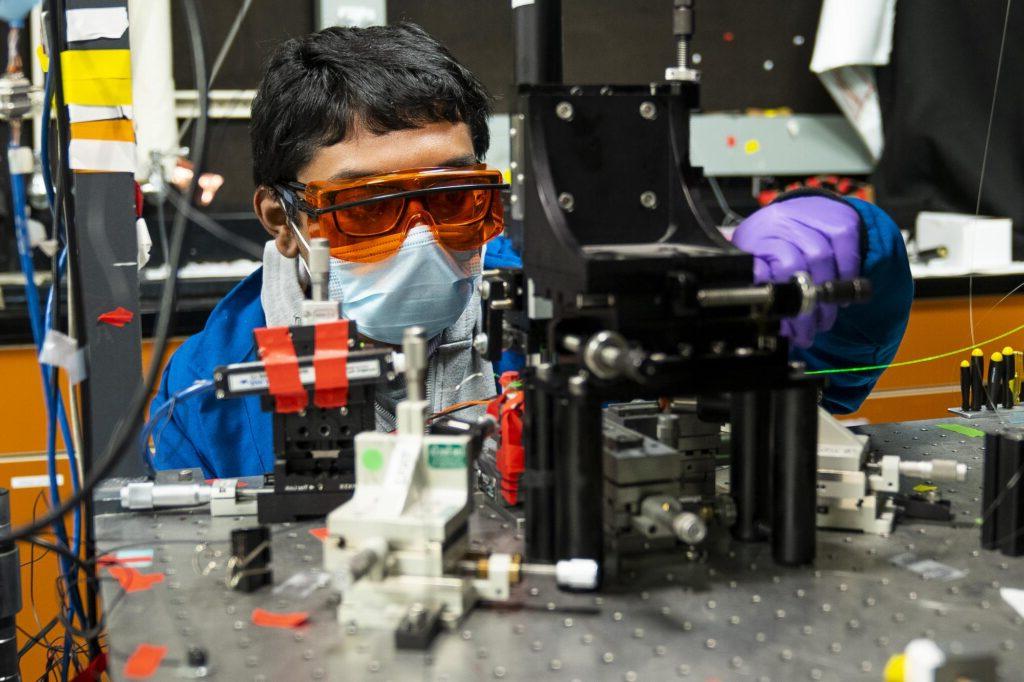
814 234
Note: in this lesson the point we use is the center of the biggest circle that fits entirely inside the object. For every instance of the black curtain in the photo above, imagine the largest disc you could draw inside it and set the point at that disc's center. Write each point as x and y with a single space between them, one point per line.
936 97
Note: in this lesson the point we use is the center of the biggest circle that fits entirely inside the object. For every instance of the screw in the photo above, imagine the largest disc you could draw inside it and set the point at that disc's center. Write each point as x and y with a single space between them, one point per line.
566 202
649 200
648 110
564 111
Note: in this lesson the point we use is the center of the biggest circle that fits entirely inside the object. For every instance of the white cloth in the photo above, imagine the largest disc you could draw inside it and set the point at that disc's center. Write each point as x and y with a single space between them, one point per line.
852 39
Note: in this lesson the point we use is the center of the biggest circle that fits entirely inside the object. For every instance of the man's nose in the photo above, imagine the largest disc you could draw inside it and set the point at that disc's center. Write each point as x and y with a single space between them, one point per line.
416 212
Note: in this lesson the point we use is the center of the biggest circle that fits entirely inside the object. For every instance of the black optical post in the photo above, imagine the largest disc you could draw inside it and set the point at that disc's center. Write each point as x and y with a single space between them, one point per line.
537 41
10 596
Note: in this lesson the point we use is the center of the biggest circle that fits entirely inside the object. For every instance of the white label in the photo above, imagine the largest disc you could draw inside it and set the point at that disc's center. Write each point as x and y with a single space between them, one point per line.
521 3
40 481
367 369
137 558
398 478
257 380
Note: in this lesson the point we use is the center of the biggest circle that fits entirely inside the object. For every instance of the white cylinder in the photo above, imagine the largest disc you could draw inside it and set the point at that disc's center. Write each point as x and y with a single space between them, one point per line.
156 128
576 574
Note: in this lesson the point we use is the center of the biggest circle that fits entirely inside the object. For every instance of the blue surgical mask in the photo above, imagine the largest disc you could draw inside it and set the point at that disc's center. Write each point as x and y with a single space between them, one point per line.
423 284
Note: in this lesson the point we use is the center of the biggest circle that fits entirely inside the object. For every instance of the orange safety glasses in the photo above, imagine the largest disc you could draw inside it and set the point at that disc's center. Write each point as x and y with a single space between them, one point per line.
367 219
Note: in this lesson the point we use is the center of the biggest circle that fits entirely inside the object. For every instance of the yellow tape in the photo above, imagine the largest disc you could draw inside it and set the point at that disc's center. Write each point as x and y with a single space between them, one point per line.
106 92
44 60
116 130
97 77
88 64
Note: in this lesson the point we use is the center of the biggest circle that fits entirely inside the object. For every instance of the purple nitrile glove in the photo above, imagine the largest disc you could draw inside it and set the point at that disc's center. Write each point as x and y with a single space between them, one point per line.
814 234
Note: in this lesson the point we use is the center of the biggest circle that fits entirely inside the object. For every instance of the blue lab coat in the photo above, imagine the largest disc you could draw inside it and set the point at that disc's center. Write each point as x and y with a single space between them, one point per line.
233 437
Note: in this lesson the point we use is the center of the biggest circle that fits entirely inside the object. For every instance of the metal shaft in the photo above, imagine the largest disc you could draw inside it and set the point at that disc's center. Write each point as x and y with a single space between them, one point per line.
794 468
414 346
319 267
750 445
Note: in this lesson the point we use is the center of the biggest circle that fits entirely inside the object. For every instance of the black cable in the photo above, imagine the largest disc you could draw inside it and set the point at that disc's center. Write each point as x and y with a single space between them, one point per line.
58 549
162 224
246 246
36 638
121 441
218 61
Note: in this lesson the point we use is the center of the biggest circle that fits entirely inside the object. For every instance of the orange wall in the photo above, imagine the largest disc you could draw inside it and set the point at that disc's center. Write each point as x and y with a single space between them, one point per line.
940 325
22 410
23 430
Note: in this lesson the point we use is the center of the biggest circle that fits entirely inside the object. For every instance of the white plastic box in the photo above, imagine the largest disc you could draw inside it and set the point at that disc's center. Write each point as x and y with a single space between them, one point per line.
974 242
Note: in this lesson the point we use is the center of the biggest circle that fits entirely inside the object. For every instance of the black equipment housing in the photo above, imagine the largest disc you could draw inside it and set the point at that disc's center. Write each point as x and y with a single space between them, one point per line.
314 450
616 242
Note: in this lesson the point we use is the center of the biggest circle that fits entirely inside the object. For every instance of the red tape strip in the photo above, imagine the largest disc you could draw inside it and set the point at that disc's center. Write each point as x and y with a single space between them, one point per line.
118 317
288 621
330 362
282 367
144 661
319 533
134 580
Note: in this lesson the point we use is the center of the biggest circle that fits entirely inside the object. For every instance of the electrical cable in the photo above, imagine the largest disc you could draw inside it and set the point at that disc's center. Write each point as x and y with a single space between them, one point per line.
37 638
917 361
984 159
53 401
246 246
166 410
458 407
120 439
730 215
218 61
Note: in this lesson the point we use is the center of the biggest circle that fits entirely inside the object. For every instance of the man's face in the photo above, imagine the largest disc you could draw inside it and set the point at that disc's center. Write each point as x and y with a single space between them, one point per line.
364 153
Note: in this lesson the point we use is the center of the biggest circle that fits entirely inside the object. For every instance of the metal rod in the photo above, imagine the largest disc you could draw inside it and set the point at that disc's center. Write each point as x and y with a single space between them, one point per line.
794 469
750 442
719 298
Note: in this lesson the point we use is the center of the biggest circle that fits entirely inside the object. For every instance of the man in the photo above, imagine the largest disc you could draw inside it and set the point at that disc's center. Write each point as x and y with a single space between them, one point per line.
336 115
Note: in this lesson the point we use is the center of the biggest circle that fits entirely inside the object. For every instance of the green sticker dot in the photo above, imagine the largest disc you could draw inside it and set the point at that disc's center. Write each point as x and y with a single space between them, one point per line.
372 459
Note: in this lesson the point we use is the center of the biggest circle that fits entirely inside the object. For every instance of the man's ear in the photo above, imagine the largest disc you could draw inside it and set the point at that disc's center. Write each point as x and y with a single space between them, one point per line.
268 208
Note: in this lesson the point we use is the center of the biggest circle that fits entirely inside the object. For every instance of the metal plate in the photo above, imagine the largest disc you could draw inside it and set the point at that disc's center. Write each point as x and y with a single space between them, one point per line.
736 616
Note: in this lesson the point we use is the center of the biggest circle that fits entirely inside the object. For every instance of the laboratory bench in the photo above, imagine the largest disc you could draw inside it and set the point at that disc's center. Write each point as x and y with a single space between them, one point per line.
732 614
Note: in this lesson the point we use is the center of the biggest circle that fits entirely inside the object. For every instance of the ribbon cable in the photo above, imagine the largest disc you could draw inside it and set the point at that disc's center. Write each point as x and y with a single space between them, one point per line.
330 363
282 367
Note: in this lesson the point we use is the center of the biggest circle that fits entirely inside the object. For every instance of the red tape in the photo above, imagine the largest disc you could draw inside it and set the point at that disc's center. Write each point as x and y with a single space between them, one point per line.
282 367
134 580
144 661
270 619
330 362
94 671
118 317
319 533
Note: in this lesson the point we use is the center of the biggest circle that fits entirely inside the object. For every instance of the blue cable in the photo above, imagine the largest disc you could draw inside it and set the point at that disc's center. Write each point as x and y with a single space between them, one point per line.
44 148
166 410
54 405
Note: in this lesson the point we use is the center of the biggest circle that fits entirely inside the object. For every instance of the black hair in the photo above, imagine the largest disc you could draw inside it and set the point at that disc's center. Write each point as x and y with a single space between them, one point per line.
386 78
